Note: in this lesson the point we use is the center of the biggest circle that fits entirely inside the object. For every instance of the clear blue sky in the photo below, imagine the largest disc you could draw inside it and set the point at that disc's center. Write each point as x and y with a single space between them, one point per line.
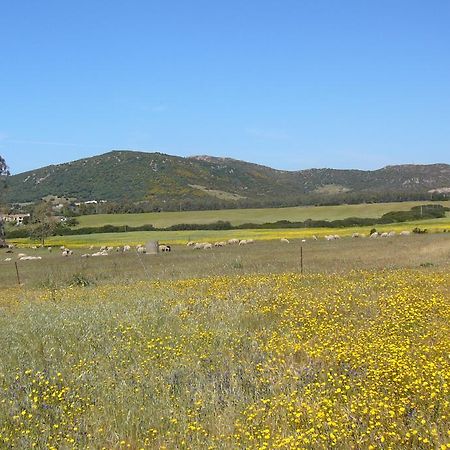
292 84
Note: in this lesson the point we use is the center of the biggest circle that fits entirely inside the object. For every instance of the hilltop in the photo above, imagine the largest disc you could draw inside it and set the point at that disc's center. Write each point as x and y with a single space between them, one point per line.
209 182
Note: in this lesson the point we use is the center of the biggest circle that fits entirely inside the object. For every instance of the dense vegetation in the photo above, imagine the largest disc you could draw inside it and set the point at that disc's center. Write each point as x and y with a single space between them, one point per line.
142 182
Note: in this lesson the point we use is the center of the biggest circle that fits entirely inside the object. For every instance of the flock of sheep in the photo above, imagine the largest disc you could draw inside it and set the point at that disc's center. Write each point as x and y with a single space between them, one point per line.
209 246
106 250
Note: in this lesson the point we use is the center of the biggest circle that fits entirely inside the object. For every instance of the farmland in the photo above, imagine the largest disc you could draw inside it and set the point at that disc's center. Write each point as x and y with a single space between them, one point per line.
229 348
240 216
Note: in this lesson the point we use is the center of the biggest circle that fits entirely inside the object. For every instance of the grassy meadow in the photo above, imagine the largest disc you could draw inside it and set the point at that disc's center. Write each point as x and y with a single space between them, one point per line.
258 215
229 348
184 236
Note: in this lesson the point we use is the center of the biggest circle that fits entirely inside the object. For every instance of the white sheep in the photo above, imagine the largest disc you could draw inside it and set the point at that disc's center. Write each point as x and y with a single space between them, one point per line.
7 259
374 235
198 246
190 244
207 246
141 249
233 241
284 240
126 248
30 258
405 233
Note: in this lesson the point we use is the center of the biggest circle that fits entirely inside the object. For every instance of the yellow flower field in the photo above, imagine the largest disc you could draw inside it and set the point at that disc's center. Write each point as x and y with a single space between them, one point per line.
256 361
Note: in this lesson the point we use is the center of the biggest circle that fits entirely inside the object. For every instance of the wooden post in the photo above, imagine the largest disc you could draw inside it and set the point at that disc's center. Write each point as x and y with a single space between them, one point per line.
17 272
301 259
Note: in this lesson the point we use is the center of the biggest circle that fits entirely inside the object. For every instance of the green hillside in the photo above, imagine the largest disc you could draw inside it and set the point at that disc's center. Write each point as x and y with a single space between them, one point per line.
164 182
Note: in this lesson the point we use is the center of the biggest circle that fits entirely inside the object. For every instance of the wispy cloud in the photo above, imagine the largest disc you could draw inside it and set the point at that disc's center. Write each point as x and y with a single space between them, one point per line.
268 134
159 108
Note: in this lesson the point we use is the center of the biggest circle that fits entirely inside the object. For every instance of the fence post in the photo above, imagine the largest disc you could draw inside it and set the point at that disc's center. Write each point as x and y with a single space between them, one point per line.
17 272
301 259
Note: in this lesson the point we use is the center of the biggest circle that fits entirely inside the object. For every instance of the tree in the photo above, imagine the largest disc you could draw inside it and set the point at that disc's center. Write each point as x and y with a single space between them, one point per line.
4 172
43 224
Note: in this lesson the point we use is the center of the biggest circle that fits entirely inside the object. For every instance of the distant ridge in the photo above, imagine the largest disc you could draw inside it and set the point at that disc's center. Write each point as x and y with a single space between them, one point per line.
202 181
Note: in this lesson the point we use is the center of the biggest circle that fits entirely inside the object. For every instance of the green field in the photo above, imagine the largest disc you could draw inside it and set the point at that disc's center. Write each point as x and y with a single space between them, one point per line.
184 236
240 216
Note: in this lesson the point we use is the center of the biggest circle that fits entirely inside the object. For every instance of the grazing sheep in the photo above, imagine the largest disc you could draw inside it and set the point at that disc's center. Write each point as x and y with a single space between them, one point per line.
197 246
391 233
375 234
314 237
218 244
91 247
384 235
164 248
303 240
126 248
49 249
356 235
85 255
329 237
30 258
67 252
190 244
336 236
7 259
207 246
233 241
405 233
103 248
141 249
243 242
284 240
102 253
250 241
21 255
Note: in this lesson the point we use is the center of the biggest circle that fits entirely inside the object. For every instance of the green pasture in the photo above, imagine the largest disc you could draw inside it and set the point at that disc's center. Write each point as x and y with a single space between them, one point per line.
240 216
182 237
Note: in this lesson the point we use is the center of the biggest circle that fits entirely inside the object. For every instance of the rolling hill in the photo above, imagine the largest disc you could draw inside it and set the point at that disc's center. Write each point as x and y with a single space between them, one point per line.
208 182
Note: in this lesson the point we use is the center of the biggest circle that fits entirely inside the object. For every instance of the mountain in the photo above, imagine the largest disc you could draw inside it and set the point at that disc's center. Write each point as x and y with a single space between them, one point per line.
211 182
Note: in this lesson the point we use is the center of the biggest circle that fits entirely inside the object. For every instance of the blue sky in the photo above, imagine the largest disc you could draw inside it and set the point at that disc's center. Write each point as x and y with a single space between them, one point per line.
291 84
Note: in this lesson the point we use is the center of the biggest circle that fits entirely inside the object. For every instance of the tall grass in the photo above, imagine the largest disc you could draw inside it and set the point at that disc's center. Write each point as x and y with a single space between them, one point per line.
245 361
